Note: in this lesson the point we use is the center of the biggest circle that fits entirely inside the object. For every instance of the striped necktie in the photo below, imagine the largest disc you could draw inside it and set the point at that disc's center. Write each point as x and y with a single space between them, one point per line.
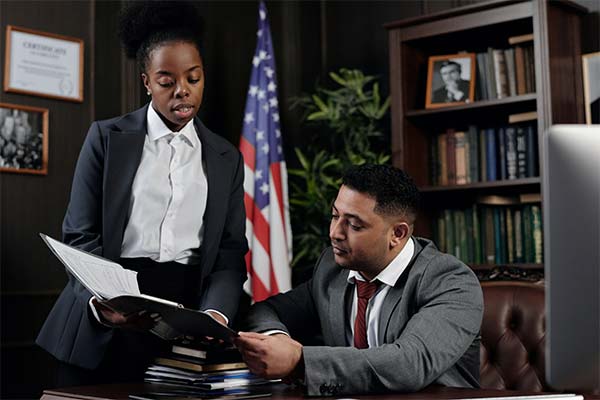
364 290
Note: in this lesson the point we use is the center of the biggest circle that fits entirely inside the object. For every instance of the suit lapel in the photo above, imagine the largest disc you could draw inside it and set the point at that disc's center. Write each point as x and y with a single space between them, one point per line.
339 299
125 146
217 189
392 299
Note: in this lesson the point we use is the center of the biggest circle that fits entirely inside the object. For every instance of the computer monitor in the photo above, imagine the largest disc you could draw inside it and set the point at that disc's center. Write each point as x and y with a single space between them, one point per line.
571 197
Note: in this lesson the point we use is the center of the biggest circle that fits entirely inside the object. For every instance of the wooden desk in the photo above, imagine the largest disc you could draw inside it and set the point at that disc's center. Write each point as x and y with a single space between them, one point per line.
121 391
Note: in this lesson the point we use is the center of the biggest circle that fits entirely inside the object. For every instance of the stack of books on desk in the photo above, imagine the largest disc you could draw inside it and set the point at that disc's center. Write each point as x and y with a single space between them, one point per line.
202 372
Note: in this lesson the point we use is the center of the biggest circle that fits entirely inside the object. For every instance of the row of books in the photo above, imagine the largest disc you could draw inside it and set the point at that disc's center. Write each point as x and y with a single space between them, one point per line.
506 72
202 372
496 230
484 155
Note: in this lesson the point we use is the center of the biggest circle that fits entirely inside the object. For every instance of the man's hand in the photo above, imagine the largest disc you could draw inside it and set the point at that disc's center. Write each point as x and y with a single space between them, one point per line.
271 357
452 88
136 322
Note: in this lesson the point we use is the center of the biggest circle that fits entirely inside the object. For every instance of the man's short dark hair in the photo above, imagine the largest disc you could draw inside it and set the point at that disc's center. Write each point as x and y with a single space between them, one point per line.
394 191
448 63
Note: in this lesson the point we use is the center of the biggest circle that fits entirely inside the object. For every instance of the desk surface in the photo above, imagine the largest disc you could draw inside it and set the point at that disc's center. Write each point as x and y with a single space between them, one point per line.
121 392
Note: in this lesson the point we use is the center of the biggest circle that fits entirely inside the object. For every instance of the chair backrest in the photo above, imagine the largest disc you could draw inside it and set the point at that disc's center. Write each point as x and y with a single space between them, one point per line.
513 336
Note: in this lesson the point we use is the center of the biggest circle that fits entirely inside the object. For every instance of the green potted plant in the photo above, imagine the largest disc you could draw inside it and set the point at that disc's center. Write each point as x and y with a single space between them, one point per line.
348 117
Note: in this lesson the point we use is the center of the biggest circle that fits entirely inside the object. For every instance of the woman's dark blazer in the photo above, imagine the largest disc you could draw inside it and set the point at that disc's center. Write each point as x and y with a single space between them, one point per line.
97 216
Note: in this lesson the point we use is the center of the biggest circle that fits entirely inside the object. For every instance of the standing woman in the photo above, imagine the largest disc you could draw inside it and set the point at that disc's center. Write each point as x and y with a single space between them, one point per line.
159 193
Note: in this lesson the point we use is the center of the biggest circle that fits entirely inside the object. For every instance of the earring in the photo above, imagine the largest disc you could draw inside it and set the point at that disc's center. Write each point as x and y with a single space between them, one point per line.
148 93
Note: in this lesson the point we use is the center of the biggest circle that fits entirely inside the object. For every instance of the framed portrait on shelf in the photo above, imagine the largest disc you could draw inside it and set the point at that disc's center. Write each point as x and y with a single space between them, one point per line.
23 139
591 87
43 64
450 80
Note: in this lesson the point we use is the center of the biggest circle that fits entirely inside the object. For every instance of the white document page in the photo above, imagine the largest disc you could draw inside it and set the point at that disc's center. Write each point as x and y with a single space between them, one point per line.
104 278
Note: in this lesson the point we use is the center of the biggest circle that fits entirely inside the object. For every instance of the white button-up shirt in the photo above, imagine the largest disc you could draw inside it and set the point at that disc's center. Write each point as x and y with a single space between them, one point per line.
168 196
388 278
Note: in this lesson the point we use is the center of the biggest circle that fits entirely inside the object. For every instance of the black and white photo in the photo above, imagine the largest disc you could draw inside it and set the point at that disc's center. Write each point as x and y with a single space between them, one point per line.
450 80
23 139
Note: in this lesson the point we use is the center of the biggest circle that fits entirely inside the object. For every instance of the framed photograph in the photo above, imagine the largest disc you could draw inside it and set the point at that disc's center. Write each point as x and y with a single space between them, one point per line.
450 80
23 139
43 64
591 87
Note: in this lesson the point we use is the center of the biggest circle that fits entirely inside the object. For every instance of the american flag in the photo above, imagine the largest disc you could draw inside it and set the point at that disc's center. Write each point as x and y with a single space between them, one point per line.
266 199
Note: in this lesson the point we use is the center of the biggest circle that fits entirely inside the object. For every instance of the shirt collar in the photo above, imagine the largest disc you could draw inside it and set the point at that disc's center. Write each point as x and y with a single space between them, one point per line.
392 272
158 129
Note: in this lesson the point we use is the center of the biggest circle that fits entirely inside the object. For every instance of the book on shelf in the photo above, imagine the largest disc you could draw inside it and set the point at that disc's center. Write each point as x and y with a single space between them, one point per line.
509 57
451 156
522 117
495 230
520 38
461 155
484 155
117 288
504 72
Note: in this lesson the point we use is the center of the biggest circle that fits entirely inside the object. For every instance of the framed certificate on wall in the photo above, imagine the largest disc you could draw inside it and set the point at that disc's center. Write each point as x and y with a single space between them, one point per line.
43 64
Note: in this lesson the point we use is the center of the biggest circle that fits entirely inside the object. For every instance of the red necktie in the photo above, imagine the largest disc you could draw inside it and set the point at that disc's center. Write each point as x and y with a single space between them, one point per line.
365 290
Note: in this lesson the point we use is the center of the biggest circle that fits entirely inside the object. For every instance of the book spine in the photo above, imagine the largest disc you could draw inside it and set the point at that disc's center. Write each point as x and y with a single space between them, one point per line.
441 233
502 153
460 158
491 74
501 76
442 151
532 158
470 236
462 225
511 152
531 66
509 56
538 245
521 153
481 76
482 156
490 254
473 153
451 156
449 231
457 233
528 235
490 154
520 70
503 234
518 225
510 236
497 236
476 235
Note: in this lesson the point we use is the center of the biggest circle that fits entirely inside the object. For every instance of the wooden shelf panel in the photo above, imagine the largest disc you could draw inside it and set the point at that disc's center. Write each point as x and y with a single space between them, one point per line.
482 104
535 181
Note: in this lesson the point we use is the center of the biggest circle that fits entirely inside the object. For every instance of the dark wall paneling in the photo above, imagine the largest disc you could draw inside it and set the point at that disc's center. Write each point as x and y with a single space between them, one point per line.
29 204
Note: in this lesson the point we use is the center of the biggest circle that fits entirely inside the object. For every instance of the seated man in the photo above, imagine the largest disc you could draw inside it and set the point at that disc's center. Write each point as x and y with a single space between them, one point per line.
395 314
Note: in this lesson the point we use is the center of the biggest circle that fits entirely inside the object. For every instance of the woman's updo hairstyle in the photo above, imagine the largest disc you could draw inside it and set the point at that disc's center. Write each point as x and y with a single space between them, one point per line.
144 26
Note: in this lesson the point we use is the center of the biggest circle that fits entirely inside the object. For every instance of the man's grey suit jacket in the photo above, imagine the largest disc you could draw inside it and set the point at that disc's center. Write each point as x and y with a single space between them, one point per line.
429 324
97 216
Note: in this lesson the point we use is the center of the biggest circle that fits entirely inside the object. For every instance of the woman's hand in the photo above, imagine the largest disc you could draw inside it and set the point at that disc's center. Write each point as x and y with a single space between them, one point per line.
138 322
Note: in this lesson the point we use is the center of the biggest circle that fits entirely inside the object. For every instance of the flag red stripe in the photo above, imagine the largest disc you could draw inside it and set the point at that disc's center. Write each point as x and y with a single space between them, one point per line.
260 225
249 153
276 173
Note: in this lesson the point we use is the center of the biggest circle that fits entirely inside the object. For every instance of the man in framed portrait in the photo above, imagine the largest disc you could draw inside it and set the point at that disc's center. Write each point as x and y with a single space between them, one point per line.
454 88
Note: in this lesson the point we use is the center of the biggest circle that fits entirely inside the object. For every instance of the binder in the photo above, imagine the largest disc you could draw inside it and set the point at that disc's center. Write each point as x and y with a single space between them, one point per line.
117 288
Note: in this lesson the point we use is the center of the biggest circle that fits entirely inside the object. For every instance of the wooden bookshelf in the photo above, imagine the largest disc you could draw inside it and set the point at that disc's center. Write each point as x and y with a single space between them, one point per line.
557 97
